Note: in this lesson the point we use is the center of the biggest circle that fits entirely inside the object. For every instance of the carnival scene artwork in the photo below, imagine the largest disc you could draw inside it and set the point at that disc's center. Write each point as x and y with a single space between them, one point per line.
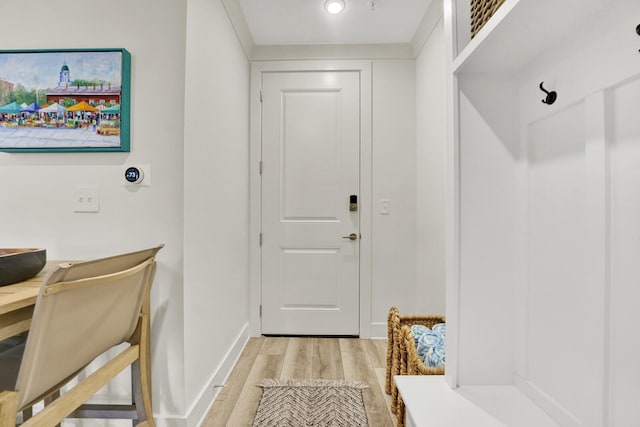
60 99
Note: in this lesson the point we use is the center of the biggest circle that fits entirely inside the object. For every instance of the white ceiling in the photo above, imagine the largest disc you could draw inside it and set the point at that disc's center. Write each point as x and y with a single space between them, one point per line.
296 22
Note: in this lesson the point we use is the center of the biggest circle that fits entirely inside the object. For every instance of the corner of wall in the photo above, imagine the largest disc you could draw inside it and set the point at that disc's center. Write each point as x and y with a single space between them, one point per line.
206 398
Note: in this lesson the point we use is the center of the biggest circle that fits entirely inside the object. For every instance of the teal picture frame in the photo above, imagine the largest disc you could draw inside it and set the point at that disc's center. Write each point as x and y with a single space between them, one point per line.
81 100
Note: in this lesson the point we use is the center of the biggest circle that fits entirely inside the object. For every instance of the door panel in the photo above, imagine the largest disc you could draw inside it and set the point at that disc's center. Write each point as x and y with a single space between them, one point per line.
311 157
310 153
310 278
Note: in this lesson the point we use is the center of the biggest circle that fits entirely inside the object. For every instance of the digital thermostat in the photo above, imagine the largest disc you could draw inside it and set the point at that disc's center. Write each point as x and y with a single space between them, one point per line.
134 175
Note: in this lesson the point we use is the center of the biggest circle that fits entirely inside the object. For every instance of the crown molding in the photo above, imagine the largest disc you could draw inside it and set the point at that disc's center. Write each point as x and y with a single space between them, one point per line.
331 51
431 18
239 23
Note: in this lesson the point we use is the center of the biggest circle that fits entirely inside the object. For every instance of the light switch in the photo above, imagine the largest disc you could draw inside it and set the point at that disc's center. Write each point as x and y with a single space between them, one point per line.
86 199
384 206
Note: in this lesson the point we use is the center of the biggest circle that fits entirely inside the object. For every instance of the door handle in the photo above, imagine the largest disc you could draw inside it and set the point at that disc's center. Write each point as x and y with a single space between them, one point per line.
352 236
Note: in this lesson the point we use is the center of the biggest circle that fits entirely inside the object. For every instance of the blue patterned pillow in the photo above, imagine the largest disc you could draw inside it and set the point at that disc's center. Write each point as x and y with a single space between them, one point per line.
418 331
435 357
440 328
430 343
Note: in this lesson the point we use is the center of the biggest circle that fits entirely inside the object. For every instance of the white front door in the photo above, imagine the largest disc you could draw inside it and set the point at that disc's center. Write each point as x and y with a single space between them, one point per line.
310 154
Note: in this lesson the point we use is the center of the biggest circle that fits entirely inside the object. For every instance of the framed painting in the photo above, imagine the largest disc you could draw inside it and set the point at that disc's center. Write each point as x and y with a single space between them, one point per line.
65 100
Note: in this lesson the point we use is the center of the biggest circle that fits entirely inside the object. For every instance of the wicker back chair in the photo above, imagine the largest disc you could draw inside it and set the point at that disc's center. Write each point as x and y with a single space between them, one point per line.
399 354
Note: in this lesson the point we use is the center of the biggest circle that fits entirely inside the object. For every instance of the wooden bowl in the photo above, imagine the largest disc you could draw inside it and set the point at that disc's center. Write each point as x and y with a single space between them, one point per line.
17 265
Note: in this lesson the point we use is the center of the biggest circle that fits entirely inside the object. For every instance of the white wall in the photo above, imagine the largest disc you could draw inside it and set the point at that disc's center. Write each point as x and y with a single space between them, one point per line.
430 174
624 369
548 224
36 209
216 202
394 178
198 327
582 196
488 228
559 263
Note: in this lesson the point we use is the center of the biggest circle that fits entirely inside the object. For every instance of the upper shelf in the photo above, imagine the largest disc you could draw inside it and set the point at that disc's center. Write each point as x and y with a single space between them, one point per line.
521 30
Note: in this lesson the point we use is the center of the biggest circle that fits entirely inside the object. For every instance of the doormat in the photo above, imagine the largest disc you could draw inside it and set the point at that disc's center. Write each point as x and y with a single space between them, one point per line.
311 403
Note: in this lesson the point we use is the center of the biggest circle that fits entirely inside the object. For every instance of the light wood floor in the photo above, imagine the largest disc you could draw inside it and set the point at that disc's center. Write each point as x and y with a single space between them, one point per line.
284 358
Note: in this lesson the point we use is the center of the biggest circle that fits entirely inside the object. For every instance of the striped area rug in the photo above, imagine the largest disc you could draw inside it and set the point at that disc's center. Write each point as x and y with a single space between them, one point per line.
311 403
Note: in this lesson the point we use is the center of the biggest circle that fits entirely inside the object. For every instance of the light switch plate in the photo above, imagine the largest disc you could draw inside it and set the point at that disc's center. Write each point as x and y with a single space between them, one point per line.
384 206
86 199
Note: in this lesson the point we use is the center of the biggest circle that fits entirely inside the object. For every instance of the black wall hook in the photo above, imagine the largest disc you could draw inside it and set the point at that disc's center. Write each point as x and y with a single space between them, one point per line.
551 96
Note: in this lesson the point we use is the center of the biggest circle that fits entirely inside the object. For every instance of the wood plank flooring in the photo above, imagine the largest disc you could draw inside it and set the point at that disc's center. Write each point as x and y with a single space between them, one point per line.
320 358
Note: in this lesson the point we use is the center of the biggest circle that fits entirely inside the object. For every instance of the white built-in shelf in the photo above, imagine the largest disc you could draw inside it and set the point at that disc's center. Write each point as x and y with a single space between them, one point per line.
431 402
521 30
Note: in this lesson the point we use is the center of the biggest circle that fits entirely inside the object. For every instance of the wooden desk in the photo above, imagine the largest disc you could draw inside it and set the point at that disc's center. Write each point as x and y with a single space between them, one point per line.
17 301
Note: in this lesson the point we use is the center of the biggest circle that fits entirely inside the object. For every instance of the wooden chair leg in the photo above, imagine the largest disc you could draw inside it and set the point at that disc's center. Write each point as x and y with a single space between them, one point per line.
140 395
8 408
50 399
141 377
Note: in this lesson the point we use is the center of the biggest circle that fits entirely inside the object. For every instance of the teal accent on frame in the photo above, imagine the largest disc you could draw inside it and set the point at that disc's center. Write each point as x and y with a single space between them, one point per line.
34 61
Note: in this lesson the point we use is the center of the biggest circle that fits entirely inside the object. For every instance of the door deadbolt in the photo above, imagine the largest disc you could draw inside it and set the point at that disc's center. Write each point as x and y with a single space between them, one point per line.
352 236
353 203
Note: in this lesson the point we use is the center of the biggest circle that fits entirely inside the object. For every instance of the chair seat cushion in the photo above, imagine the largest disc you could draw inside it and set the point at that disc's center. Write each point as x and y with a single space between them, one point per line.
9 366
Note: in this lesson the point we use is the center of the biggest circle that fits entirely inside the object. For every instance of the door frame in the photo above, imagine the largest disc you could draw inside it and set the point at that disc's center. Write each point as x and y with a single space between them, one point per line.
255 187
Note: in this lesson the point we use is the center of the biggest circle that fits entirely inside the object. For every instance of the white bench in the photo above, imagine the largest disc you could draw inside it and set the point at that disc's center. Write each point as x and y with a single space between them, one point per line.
430 402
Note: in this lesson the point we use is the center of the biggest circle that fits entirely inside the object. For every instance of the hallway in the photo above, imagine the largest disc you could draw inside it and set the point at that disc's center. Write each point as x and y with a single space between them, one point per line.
283 358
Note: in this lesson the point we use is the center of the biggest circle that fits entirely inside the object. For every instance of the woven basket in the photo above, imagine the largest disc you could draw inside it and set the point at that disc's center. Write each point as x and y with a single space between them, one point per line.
410 362
398 355
481 11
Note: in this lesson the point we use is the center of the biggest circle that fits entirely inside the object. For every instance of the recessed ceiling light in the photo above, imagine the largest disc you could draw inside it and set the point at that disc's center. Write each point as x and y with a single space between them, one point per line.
334 6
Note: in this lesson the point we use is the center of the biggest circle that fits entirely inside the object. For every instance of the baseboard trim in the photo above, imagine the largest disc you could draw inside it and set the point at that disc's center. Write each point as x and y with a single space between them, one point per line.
200 408
378 330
